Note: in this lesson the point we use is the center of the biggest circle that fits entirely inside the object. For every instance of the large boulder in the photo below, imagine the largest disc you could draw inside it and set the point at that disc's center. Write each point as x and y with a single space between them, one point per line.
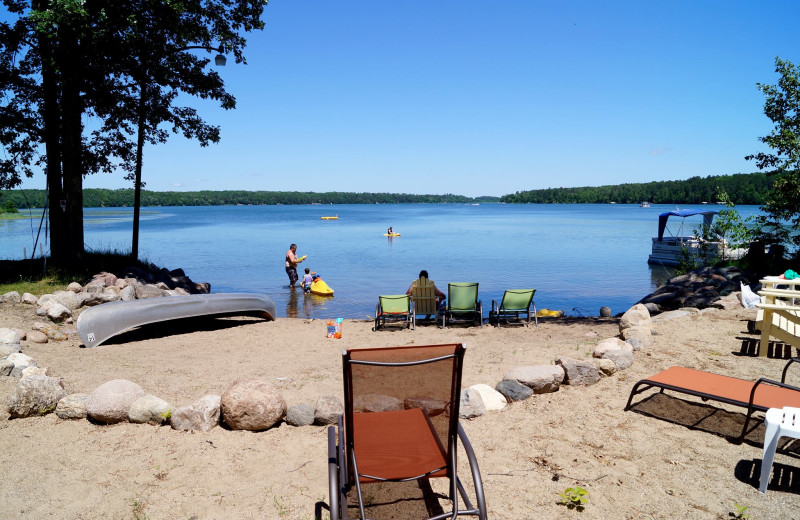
252 405
471 404
542 379
150 409
327 410
202 416
72 406
610 344
492 399
11 297
513 390
636 316
110 402
68 299
35 395
578 372
300 415
57 312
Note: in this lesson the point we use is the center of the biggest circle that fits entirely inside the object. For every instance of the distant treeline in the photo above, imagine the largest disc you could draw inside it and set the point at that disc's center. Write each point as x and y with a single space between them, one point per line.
742 188
96 198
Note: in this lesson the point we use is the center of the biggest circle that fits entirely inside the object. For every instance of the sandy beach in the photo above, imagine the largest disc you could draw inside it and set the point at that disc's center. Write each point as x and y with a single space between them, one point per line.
669 457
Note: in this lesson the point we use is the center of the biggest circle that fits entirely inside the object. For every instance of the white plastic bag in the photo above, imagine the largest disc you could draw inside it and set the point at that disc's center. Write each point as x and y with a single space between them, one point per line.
749 298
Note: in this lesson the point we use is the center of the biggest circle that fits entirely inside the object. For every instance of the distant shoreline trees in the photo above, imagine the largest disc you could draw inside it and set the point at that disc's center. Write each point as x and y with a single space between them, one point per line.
741 189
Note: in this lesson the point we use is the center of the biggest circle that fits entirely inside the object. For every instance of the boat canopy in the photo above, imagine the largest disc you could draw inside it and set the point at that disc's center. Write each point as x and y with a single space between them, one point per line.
708 216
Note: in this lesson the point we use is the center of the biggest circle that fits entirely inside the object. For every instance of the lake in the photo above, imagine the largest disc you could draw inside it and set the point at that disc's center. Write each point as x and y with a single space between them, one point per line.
578 257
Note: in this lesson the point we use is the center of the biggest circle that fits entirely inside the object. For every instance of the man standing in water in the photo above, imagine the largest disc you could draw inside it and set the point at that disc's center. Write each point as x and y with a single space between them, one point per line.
291 264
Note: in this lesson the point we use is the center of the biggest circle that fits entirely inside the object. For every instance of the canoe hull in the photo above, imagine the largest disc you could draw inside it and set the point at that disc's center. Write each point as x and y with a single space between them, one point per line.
97 324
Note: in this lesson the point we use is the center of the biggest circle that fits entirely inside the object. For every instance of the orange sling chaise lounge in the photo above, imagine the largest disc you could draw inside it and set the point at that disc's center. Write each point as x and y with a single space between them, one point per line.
760 395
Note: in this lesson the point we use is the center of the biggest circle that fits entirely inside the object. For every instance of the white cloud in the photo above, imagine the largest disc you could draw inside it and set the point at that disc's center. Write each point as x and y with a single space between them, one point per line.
659 150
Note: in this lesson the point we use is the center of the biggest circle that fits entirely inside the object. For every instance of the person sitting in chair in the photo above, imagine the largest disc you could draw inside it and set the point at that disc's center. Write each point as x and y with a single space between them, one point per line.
440 296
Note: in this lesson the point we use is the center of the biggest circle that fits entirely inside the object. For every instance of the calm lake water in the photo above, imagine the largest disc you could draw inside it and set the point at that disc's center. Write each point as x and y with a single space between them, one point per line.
577 257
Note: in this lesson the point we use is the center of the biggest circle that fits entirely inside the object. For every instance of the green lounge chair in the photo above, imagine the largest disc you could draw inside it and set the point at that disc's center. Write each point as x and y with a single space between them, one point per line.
395 308
515 303
462 304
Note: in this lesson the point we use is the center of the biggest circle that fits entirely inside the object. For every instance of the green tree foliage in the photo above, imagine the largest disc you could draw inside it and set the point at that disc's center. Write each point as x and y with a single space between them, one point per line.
97 198
742 188
782 107
66 62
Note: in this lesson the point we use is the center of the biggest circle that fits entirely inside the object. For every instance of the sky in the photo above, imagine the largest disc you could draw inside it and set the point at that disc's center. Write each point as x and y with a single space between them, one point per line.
484 98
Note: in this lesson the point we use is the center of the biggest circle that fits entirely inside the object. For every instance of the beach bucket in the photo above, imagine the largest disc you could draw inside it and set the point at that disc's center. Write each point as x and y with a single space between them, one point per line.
337 328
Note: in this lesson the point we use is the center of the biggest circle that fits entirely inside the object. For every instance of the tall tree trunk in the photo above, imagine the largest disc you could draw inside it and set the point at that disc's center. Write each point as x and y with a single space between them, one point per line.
52 124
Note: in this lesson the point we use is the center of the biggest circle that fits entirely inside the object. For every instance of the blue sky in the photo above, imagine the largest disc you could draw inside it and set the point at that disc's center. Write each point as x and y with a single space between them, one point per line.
485 98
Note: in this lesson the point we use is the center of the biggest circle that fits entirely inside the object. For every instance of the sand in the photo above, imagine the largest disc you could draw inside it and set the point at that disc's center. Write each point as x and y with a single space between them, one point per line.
668 458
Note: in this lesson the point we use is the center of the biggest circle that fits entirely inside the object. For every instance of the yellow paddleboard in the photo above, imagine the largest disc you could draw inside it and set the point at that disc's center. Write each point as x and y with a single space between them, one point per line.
391 234
330 218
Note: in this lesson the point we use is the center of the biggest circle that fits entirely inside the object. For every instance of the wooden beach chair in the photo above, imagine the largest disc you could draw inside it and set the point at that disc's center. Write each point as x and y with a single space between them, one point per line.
780 318
423 294
395 308
760 395
401 424
462 304
515 304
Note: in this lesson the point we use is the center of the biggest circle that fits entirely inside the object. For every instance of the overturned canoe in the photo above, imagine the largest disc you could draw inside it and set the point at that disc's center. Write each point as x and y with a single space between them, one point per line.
97 324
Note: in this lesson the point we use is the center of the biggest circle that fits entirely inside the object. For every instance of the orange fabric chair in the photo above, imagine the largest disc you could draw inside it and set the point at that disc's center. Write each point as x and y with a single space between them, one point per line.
760 395
401 424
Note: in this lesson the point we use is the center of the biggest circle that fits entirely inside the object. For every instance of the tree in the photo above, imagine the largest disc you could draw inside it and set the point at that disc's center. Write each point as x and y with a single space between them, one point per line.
66 62
782 107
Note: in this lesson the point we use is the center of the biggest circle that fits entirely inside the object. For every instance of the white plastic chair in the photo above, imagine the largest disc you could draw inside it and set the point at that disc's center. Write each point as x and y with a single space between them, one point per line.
781 422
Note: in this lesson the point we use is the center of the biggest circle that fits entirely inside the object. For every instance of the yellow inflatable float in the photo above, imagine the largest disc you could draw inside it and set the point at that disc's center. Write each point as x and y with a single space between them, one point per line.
320 288
547 313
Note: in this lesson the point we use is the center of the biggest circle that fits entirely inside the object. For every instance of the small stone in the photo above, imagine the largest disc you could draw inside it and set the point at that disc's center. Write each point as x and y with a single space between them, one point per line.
328 409
513 390
36 336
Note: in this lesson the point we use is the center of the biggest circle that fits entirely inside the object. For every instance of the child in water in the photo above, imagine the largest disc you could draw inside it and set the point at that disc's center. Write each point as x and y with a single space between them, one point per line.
307 279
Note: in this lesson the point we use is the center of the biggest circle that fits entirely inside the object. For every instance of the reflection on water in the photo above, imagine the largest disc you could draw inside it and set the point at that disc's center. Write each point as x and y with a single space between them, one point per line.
301 304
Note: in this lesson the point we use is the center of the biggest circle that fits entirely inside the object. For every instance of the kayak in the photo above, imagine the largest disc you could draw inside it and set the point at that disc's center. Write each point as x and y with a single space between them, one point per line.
320 288
391 234
547 313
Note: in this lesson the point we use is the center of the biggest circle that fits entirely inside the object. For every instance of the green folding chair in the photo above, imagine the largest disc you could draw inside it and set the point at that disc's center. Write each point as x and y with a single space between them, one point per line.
515 304
462 304
395 308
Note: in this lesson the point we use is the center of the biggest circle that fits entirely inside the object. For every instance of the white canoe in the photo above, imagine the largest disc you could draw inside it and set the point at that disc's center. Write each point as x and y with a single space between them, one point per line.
97 324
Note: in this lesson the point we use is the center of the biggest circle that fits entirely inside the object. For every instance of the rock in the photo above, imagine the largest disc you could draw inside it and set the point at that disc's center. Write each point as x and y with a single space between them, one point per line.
430 405
35 371
21 334
68 299
202 416
35 395
578 373
376 403
9 348
728 302
541 378
37 337
638 337
72 406
328 409
8 337
652 308
29 299
513 390
11 297
106 296
622 358
105 278
252 405
636 316
605 312
148 291
75 287
150 409
127 293
492 399
94 287
121 283
112 289
57 312
44 298
21 362
110 402
610 344
606 366
671 315
6 367
471 404
300 415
